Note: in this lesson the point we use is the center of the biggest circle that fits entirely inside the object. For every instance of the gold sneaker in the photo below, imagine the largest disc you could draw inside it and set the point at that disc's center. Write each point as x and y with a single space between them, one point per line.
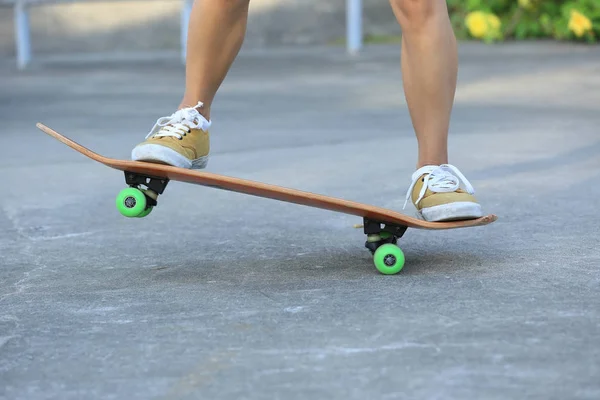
437 194
181 140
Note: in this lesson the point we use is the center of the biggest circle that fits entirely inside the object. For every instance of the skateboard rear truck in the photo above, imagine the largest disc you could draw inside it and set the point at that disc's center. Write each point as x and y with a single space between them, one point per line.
381 242
141 196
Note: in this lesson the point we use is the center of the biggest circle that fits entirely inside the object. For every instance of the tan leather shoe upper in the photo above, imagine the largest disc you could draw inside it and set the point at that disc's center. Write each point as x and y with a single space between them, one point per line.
181 140
191 143
432 199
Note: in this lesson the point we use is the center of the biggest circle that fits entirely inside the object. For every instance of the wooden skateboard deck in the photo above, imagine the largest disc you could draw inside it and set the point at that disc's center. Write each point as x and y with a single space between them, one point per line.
156 176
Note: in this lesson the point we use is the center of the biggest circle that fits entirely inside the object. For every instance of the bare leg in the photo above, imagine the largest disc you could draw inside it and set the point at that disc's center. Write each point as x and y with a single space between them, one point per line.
429 72
215 36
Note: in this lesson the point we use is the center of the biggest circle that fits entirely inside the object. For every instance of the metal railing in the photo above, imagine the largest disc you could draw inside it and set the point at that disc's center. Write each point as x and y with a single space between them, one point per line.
354 37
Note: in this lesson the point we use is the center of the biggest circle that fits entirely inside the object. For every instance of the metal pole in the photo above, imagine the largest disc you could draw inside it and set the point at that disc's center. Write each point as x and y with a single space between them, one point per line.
22 38
354 36
185 20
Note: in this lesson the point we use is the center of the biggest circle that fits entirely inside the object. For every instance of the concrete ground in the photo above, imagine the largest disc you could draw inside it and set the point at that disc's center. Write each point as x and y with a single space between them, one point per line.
217 295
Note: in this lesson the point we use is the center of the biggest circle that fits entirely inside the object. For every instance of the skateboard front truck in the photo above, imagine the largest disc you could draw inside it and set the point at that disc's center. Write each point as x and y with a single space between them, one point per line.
381 242
138 200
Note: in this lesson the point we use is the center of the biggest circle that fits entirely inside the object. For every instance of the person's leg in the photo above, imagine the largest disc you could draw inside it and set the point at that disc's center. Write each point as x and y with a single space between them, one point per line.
429 70
215 35
429 64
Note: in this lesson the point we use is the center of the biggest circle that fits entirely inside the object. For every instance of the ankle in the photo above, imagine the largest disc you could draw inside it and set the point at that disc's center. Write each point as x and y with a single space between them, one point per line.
205 112
431 161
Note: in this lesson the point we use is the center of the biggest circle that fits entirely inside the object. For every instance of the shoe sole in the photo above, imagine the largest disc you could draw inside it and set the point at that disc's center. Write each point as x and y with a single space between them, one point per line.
452 211
164 155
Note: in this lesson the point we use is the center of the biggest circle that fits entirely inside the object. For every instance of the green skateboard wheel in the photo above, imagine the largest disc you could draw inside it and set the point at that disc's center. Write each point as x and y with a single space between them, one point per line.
131 202
146 212
389 259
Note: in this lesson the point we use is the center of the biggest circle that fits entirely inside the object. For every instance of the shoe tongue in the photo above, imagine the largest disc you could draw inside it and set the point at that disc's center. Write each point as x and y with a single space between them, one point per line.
185 115
193 119
442 175
442 181
427 169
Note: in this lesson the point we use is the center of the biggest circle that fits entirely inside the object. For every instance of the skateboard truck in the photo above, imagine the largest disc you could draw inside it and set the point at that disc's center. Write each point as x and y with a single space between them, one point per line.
378 235
141 195
381 242
155 185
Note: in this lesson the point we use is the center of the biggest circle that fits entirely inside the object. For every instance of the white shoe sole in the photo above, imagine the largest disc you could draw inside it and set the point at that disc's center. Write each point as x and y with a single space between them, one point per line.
452 211
165 155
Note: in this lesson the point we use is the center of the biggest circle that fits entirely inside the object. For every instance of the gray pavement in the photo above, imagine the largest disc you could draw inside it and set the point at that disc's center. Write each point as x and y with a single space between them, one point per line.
217 295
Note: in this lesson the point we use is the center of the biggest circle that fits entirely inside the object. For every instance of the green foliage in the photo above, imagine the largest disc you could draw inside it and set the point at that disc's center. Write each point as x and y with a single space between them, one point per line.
532 19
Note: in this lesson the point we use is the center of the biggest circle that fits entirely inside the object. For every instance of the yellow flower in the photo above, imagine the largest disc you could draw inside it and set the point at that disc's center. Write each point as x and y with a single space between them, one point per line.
476 24
481 25
579 24
494 22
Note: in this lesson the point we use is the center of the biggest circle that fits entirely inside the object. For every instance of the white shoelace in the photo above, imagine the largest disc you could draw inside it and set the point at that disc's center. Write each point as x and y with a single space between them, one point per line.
440 179
179 123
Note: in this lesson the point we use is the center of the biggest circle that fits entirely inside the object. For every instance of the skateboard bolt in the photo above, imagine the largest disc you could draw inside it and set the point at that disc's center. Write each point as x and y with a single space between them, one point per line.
130 202
389 260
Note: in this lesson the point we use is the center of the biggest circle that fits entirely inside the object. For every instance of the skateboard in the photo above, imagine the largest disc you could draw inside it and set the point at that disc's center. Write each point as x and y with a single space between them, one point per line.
382 227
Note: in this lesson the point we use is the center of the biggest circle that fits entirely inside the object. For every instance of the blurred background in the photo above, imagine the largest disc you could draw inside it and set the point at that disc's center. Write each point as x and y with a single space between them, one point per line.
154 25
123 26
